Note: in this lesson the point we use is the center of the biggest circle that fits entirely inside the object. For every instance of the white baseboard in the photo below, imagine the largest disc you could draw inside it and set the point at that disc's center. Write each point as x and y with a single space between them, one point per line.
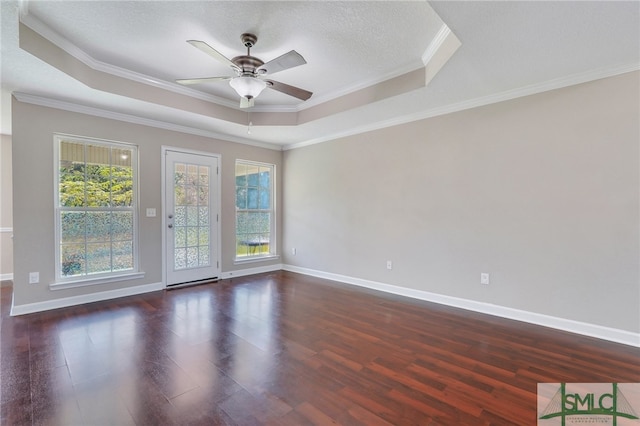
592 330
251 271
64 302
6 277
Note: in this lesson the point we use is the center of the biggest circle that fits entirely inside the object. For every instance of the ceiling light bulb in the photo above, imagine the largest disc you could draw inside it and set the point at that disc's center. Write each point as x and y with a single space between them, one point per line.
247 87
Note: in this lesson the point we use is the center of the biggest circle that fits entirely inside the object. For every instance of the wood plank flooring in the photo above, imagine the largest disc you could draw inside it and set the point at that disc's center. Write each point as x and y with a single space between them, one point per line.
285 349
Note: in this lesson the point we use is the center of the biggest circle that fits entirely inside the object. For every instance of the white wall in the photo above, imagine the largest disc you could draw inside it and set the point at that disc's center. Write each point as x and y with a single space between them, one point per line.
541 192
34 244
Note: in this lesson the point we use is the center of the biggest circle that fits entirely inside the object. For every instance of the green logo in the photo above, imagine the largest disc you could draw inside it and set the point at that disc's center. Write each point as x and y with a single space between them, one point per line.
592 403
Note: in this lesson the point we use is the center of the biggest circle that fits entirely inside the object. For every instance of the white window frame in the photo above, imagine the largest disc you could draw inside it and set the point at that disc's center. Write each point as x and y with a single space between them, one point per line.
272 225
61 281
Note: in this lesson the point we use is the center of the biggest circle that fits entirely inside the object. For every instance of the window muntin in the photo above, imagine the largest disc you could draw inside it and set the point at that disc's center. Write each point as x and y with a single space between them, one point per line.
95 208
254 210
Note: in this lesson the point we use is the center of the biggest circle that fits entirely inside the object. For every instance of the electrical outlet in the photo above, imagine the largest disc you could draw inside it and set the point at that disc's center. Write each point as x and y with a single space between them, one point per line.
484 278
389 264
34 277
294 251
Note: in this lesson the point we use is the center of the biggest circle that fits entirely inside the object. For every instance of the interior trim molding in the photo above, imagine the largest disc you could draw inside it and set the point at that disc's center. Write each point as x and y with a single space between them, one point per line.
251 271
68 46
534 89
436 43
63 43
129 118
64 302
586 329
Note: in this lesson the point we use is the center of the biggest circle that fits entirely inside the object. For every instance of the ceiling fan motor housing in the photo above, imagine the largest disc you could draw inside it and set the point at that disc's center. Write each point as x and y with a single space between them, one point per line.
247 64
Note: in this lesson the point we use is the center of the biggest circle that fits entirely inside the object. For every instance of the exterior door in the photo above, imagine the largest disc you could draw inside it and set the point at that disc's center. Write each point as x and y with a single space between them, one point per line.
191 217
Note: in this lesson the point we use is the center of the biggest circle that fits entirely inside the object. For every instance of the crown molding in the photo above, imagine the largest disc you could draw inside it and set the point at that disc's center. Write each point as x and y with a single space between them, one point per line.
533 89
129 118
436 43
63 43
428 54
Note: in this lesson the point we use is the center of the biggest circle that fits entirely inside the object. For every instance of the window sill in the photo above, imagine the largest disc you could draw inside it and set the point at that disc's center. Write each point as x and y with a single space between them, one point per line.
85 282
255 259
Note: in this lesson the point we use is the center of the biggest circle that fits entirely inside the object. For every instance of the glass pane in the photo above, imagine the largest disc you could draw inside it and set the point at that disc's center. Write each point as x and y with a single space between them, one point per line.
204 175
252 179
180 236
203 195
180 218
122 226
98 155
98 185
252 198
242 223
72 259
204 256
241 198
192 196
122 255
264 178
180 258
203 236
192 174
192 257
265 200
179 174
203 218
72 227
256 223
122 186
98 258
192 236
121 157
98 226
241 175
71 185
192 216
180 196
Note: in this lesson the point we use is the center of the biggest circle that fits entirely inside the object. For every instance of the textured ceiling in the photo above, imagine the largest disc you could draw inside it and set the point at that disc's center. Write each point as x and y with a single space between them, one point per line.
507 49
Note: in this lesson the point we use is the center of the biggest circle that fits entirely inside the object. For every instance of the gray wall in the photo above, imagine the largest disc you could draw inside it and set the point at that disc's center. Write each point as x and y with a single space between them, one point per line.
34 244
542 192
6 209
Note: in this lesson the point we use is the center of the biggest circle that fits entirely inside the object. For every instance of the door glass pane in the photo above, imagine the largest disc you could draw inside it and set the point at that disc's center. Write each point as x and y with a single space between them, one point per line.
191 216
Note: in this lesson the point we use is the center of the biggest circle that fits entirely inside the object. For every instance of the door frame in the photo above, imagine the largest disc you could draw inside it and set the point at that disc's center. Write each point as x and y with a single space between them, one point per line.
218 197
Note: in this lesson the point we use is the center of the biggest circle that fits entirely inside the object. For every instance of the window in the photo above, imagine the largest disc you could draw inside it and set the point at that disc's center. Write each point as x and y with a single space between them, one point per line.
254 210
95 208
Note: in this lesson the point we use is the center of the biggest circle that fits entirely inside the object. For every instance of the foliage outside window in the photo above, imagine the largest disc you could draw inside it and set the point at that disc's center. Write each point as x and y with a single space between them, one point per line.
95 208
254 210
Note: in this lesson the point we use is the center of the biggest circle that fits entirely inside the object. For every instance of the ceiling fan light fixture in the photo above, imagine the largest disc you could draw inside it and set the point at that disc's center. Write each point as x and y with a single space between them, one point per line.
247 87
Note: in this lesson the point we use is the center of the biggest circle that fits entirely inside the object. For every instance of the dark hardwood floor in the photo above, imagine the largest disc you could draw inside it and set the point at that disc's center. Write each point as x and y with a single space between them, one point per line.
283 348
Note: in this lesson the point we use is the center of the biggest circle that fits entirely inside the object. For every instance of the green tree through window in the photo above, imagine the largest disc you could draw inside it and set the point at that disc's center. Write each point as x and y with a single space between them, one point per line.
96 205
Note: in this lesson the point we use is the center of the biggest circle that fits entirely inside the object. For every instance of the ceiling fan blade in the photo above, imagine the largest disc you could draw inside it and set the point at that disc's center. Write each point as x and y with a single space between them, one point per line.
282 62
201 80
212 52
296 92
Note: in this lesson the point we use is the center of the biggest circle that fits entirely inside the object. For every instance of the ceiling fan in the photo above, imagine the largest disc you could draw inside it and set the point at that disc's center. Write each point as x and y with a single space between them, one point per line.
248 81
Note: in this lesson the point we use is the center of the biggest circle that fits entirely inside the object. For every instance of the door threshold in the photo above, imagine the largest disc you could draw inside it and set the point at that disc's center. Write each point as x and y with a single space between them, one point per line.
192 283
